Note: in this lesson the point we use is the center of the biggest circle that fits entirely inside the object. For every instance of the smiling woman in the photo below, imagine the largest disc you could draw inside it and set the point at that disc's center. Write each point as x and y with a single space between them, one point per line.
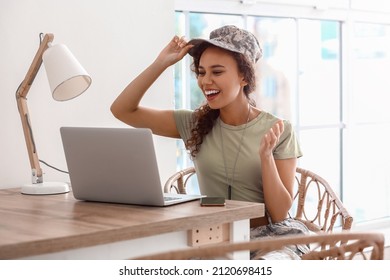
240 152
221 66
325 74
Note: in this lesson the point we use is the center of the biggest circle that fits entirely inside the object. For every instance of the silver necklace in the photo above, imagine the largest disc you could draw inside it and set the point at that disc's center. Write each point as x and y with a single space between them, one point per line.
231 182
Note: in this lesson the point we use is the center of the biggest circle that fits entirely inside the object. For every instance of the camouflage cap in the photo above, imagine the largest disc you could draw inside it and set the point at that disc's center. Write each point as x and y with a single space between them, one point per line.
234 39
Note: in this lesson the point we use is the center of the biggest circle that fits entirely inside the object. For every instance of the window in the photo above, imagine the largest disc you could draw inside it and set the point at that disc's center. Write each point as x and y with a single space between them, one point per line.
333 94
367 176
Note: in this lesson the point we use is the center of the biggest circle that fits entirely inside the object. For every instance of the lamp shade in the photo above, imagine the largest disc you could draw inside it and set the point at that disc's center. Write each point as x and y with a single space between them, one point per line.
67 78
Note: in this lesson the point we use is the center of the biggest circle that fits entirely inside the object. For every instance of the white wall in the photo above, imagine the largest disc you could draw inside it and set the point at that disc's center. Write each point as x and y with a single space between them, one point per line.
113 39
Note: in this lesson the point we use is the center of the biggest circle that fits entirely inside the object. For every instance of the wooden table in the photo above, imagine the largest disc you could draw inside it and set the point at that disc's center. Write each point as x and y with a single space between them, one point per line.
61 227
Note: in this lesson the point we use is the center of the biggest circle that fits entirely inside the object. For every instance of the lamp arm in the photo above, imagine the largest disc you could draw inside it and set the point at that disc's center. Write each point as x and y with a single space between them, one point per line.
23 109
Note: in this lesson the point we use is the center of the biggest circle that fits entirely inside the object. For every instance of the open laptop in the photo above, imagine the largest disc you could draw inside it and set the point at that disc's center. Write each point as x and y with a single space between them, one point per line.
116 165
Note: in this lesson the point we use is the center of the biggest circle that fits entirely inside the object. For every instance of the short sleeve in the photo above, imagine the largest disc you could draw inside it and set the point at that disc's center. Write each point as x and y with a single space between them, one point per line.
288 146
183 119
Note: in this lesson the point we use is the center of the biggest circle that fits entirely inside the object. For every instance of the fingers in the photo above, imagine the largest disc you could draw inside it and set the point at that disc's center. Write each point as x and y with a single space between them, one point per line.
271 138
180 42
274 133
179 46
280 125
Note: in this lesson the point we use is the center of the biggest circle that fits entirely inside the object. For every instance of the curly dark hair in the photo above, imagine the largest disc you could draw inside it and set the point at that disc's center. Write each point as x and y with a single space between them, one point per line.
204 117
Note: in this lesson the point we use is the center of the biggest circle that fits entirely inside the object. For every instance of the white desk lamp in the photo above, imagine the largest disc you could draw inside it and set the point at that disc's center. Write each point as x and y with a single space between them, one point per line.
67 80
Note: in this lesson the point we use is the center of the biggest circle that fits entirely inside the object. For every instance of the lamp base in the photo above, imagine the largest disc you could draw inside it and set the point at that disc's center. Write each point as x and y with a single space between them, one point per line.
45 188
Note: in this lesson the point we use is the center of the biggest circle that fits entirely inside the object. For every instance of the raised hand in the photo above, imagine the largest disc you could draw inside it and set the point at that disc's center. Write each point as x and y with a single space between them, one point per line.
176 49
270 139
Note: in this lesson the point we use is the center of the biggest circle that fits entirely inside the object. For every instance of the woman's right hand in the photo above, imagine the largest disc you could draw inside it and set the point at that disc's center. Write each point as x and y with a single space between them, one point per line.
126 106
176 49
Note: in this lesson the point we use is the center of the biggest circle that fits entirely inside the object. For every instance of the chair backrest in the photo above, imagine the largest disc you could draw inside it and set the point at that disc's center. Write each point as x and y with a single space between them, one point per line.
315 202
317 205
178 182
324 246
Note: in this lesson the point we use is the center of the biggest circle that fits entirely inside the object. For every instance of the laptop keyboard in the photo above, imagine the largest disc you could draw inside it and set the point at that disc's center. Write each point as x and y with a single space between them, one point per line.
170 198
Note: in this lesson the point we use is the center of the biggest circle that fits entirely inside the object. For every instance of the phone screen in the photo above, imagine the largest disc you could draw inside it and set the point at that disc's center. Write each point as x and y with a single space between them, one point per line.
212 201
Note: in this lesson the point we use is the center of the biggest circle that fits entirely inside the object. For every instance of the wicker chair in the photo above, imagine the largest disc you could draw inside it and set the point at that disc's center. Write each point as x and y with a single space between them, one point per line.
317 205
178 181
315 202
325 246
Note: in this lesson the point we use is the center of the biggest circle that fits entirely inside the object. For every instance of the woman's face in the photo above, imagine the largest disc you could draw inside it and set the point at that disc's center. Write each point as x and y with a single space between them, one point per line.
219 78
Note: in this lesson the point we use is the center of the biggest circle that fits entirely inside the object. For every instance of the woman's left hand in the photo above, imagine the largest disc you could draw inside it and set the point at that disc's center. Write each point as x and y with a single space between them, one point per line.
270 139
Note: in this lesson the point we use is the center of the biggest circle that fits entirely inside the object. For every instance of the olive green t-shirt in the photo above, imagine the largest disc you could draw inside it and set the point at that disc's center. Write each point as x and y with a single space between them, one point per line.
215 161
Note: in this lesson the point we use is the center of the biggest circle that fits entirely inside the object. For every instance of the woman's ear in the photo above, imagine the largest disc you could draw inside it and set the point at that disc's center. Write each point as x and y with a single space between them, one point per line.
243 82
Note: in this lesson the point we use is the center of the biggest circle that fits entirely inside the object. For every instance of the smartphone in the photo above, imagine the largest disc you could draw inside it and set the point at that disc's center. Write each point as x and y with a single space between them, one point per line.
212 201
